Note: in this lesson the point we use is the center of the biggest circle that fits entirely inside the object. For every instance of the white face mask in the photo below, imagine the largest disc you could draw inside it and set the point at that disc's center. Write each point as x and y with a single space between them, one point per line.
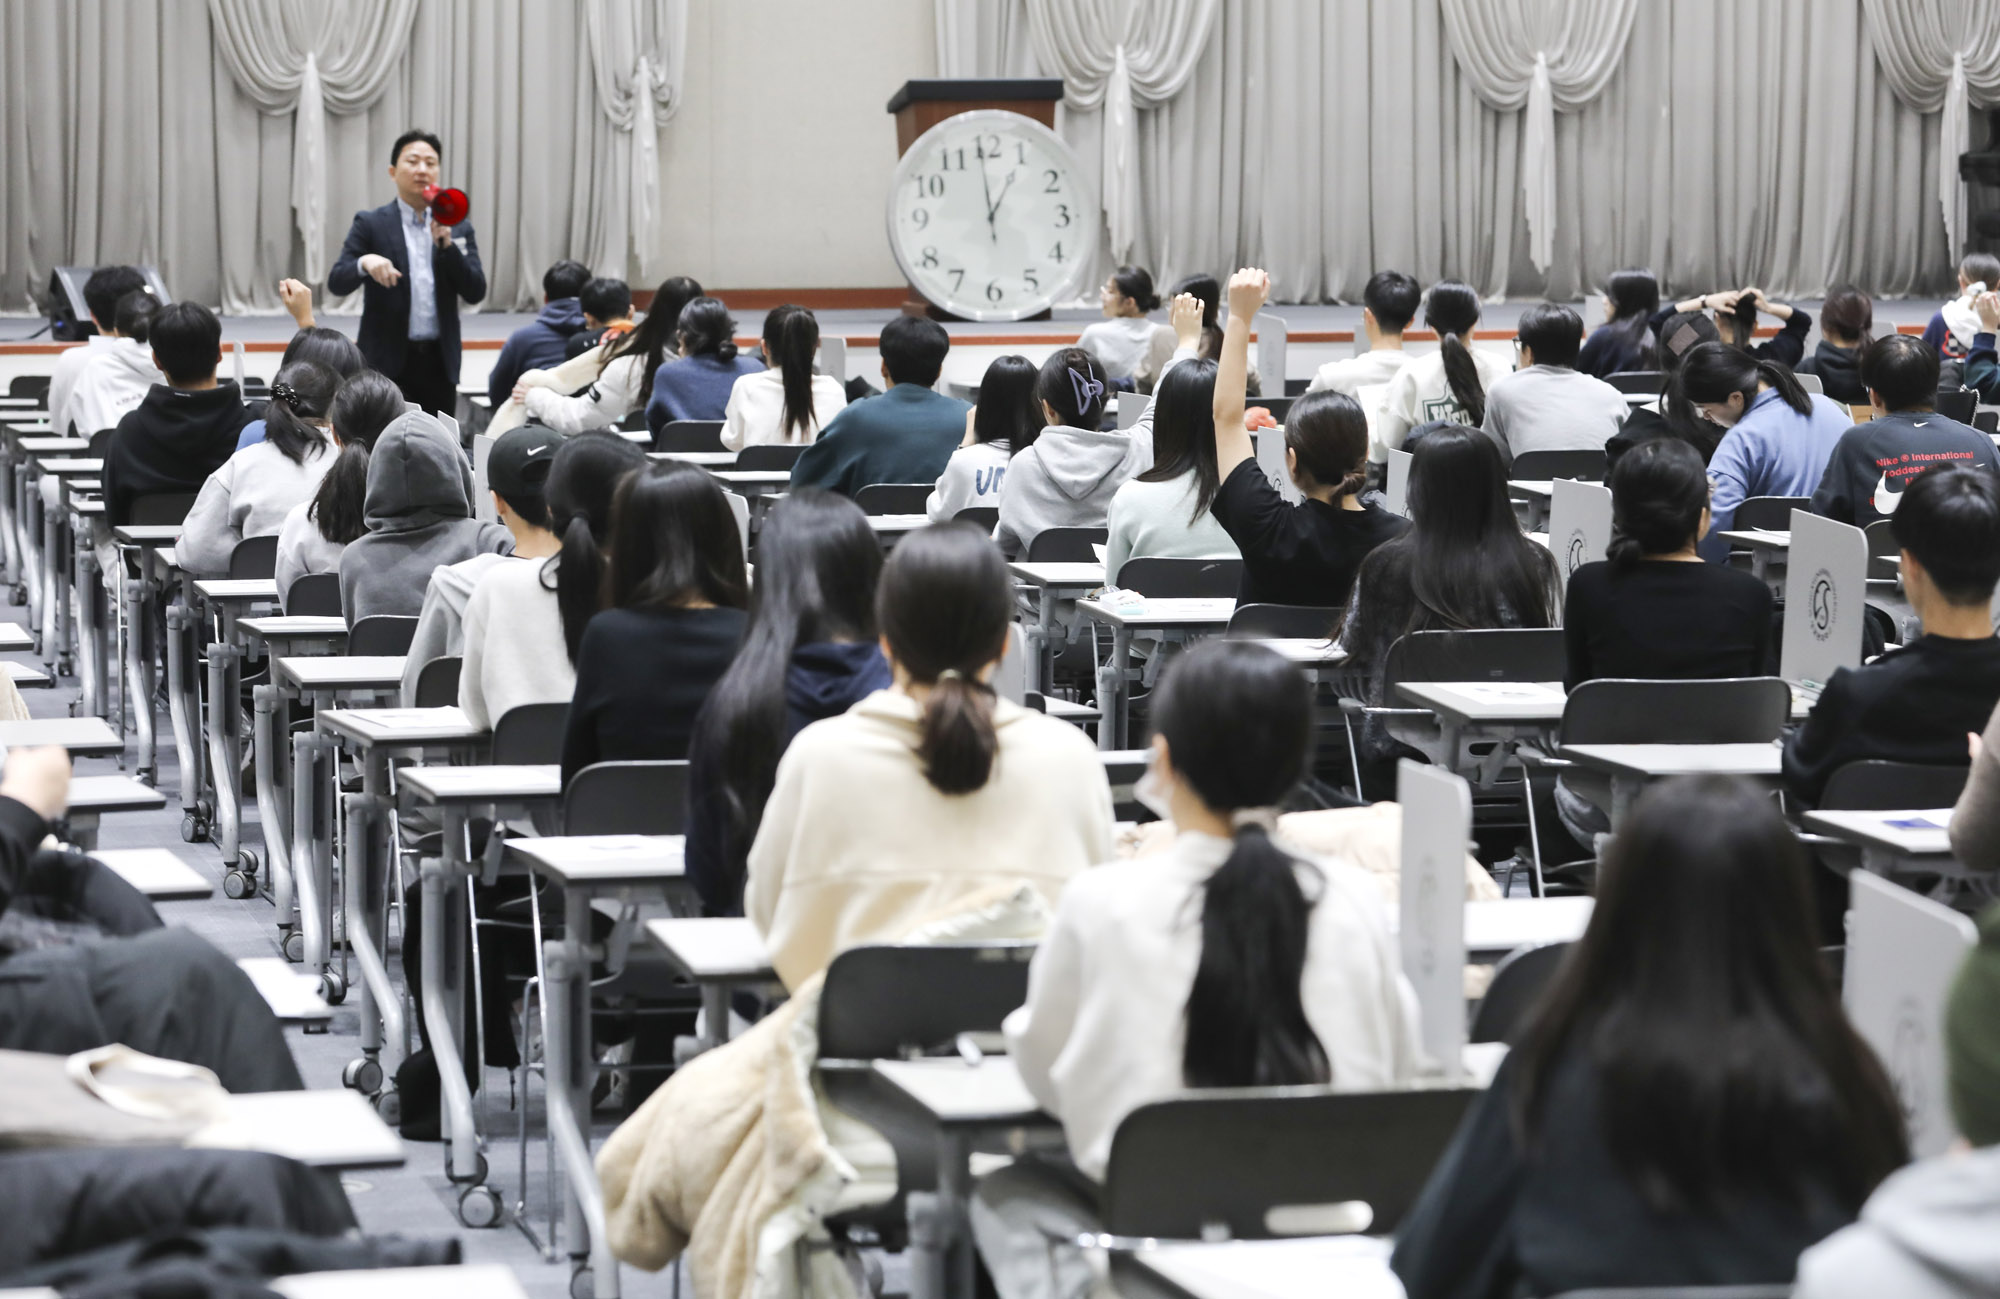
1154 792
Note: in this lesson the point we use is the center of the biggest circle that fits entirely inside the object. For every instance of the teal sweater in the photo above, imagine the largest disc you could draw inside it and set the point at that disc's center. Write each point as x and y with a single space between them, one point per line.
903 436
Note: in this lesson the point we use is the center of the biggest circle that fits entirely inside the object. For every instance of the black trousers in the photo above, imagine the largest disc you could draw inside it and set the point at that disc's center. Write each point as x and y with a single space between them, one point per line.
424 379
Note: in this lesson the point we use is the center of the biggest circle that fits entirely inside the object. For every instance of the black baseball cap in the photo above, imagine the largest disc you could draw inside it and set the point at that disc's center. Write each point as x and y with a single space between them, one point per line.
519 463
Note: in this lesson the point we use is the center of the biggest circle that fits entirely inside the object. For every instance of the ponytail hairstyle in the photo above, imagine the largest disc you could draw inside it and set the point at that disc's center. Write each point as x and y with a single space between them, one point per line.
944 604
1008 410
791 336
1136 283
1075 384
1209 290
1711 371
1739 322
135 314
1847 311
1452 309
1634 295
1658 491
654 337
582 478
1237 719
1328 436
365 405
707 329
301 396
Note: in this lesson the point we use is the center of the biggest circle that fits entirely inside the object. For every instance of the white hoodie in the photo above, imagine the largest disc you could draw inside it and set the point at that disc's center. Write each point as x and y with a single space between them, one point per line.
971 479
250 496
1065 480
1931 1231
114 380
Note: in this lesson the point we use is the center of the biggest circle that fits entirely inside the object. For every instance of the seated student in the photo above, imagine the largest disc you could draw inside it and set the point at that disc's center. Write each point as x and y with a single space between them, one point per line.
1679 334
1067 478
914 803
1929 1230
1982 363
327 348
1547 404
1651 609
1954 326
1689 1106
1779 437
1227 960
1625 340
1873 462
185 428
673 620
1207 291
1164 512
253 491
102 292
315 533
906 435
1449 384
1917 703
517 472
697 384
1005 423
89 964
1293 554
1735 312
785 401
1126 344
1388 304
418 508
116 377
1845 319
811 652
542 342
602 386
607 315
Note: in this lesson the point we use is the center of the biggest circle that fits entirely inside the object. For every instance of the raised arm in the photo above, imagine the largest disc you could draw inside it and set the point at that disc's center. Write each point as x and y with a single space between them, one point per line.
1247 290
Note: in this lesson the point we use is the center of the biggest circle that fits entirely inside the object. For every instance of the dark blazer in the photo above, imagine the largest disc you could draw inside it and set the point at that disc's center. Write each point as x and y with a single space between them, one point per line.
385 313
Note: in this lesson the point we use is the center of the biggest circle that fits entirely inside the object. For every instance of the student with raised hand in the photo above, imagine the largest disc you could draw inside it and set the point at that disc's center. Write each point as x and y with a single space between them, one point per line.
1845 319
1873 463
785 402
1164 512
1547 404
1689 1105
1778 436
1388 304
1227 960
1624 341
1293 554
905 435
257 487
605 384
930 797
810 652
1954 327
697 385
1126 343
674 617
186 427
1449 384
315 532
1736 312
1918 702
327 348
543 341
1005 423
1067 478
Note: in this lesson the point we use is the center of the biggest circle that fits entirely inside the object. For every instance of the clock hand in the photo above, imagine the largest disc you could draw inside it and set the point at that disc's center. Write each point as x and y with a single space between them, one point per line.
986 184
994 206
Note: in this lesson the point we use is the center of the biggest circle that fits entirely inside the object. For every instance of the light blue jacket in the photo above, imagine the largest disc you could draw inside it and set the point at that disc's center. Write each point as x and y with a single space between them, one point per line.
1772 451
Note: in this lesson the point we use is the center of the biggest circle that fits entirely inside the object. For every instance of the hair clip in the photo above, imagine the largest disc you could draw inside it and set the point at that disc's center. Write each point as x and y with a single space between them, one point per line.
951 674
1086 388
287 394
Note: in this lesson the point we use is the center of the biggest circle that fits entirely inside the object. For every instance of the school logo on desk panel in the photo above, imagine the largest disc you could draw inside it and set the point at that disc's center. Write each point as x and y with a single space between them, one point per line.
1823 605
1575 553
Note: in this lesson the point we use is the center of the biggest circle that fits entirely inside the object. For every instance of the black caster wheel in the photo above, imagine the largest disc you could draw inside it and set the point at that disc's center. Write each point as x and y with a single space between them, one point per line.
295 947
18 595
247 861
194 827
333 991
389 1106
74 704
237 885
479 1207
363 1075
581 1284
64 667
148 776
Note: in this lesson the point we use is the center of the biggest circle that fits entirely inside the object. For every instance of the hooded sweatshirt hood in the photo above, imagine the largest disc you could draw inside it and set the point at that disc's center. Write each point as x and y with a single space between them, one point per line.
419 513
416 477
564 315
171 442
1084 464
1839 371
1931 1229
1065 480
827 678
116 379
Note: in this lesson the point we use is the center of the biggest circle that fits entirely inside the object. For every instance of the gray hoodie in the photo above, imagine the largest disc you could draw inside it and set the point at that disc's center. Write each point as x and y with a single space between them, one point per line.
1065 480
419 513
1931 1231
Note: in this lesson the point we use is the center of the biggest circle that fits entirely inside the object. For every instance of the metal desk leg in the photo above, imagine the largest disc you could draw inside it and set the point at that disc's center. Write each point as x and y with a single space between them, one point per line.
139 677
195 810
1041 658
225 761
58 617
1625 791
571 1071
90 632
714 1016
83 830
1113 694
444 932
31 535
48 618
10 537
266 700
954 1195
380 1006
312 861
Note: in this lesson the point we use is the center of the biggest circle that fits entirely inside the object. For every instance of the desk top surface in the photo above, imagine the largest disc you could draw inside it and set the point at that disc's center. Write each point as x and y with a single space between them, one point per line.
47 446
954 1092
87 735
157 873
1074 573
604 858
112 794
299 626
389 726
714 950
14 636
706 459
1762 538
1678 759
350 671
1924 832
1202 612
464 1281
898 522
482 784
291 993
1304 1267
148 534
1533 486
331 1128
73 467
237 590
1489 701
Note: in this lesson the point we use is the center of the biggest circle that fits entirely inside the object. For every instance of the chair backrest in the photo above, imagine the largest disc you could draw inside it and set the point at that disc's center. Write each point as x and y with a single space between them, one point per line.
1986 420
161 508
770 457
634 421
100 442
979 516
529 735
626 798
254 557
382 634
689 435
30 385
1957 403
1810 382
1282 621
1637 381
1517 985
437 682
1540 466
1878 786
1067 545
1169 579
315 595
1206 1164
893 498
1773 512
1494 654
1882 547
1738 710
883 1002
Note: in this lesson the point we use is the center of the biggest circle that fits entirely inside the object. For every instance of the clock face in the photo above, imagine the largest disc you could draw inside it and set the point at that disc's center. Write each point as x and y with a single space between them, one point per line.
989 217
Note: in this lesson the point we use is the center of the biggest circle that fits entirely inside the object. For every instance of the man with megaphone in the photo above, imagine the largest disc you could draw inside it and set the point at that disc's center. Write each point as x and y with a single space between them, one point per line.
416 257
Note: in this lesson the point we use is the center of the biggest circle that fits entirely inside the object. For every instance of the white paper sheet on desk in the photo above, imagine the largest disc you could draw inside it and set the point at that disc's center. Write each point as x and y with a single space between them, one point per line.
1097 549
1505 692
1352 1267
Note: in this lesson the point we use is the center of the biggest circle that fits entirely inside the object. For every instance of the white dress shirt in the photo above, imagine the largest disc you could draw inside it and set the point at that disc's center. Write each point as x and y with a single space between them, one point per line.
423 281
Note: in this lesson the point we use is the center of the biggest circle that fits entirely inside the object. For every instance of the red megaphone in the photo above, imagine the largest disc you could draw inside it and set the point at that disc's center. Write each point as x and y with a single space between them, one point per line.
449 206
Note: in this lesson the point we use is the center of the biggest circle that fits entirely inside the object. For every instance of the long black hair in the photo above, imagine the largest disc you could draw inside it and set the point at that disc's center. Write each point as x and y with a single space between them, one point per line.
1709 372
583 477
1696 997
1658 491
1208 290
674 541
1327 433
817 566
1452 309
1237 719
791 336
365 405
707 329
1184 432
1470 564
301 395
325 347
944 604
1849 313
1008 410
1634 294
654 337
1076 385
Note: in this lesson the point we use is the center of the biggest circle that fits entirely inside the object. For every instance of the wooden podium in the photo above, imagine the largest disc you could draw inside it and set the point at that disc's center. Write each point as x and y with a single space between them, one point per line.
919 105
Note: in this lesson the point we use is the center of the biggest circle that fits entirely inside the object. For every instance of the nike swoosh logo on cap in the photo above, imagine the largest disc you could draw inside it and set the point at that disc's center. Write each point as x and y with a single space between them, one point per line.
535 451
